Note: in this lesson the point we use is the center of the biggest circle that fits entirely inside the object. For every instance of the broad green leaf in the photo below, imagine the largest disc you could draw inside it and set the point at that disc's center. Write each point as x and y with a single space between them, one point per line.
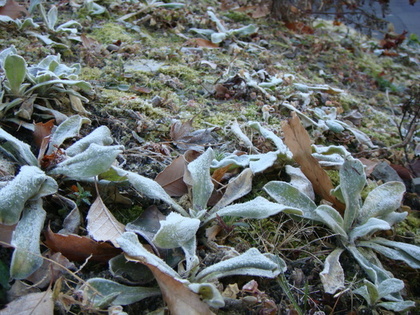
99 292
369 292
17 149
219 24
217 37
251 263
332 219
27 257
398 306
100 136
67 129
208 293
199 178
390 286
237 187
150 188
130 244
332 276
258 208
370 264
395 250
287 195
128 271
179 231
95 160
28 184
372 225
382 201
15 70
352 181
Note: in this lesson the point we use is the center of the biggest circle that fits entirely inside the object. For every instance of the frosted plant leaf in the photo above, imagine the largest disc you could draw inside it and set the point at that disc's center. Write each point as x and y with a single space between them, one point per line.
18 150
29 183
251 263
96 159
26 237
101 136
300 181
176 231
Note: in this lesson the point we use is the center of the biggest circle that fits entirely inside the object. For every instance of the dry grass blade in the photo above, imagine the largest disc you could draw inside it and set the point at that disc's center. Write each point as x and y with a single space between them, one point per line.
298 141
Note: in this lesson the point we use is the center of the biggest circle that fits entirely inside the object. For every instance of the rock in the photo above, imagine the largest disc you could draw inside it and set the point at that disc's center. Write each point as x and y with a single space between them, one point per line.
383 171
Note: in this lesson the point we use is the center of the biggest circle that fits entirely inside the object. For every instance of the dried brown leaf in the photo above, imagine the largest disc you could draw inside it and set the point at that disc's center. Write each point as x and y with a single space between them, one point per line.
6 232
298 141
200 42
42 131
79 248
172 178
180 299
102 225
33 303
13 10
185 137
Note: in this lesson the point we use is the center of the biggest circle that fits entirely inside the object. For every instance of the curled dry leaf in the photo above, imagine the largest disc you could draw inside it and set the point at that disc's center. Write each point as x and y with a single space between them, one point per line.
33 303
298 141
42 130
102 225
79 248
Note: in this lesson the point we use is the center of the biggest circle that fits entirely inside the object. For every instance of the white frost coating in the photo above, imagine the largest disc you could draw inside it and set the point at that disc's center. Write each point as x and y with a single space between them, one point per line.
101 136
258 208
176 231
300 181
200 179
95 160
332 277
150 188
268 134
252 262
382 201
18 149
27 255
26 185
130 244
67 129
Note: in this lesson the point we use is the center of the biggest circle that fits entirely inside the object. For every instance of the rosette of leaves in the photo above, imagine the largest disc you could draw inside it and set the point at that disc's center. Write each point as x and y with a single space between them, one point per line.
21 197
22 84
356 227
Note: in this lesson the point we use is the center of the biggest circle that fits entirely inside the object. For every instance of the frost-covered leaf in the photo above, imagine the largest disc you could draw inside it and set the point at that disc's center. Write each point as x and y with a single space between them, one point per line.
208 293
390 286
67 129
100 136
31 182
397 306
32 303
408 253
330 156
332 218
369 292
382 201
246 30
251 263
237 187
150 188
285 194
102 225
18 150
26 240
352 181
300 181
103 292
96 159
260 162
372 225
129 272
332 276
198 177
175 231
268 134
179 231
258 208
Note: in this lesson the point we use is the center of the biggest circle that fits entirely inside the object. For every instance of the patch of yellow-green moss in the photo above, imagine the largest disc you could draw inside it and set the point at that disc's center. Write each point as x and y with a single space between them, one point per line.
111 32
410 227
185 73
90 74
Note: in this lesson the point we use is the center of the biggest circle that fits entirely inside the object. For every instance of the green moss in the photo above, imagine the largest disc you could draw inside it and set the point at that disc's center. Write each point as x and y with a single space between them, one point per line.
334 175
89 73
128 215
182 72
238 16
111 32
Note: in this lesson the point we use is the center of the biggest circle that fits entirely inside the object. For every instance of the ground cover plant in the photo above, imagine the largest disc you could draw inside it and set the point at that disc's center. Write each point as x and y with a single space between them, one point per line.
192 158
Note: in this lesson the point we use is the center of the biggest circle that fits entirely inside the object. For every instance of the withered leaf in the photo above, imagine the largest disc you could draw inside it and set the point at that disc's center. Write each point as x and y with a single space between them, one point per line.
298 141
13 10
79 248
185 137
102 225
201 42
42 130
33 303
171 178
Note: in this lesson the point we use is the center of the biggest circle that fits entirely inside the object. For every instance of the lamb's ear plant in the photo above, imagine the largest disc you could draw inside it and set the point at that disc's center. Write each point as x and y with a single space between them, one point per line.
21 197
355 228
222 32
23 84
